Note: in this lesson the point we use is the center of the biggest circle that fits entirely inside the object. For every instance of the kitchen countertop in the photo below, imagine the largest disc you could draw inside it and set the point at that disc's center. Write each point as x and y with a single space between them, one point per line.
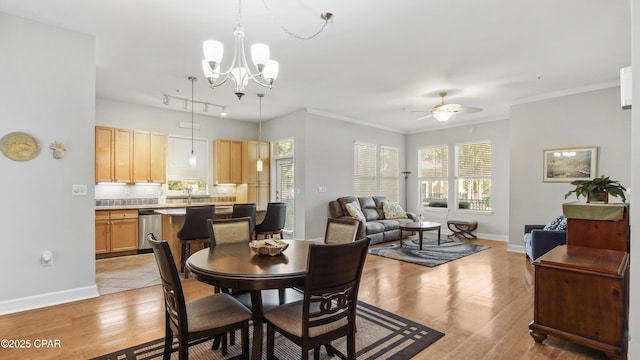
160 206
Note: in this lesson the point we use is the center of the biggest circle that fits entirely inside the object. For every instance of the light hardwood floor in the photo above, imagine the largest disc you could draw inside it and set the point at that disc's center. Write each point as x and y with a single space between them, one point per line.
483 303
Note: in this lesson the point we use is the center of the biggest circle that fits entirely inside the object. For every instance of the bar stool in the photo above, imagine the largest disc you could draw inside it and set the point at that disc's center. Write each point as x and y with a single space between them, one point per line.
273 222
242 210
194 231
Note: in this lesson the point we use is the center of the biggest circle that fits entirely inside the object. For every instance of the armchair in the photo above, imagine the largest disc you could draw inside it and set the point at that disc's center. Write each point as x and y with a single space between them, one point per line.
538 242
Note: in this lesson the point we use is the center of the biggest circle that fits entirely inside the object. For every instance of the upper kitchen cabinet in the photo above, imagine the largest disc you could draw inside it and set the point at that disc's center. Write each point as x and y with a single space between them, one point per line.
250 154
113 155
149 157
227 161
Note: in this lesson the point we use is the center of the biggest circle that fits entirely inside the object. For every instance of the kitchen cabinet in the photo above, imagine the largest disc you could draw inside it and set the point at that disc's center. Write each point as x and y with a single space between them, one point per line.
257 181
227 161
149 157
113 155
116 231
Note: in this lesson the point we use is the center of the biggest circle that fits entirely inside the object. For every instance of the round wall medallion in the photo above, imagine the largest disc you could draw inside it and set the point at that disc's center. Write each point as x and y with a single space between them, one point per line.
19 146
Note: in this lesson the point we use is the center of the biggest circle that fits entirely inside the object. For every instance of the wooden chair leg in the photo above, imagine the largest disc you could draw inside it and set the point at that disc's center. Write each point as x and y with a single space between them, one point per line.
168 340
270 342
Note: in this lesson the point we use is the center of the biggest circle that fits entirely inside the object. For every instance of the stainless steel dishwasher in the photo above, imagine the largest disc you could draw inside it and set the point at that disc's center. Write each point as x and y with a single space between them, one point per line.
148 221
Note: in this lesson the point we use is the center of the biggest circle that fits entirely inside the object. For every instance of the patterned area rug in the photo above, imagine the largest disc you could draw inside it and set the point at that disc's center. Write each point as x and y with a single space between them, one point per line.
431 254
381 335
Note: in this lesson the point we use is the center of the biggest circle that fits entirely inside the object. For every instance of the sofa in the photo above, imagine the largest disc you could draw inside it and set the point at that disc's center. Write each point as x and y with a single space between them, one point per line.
540 239
374 224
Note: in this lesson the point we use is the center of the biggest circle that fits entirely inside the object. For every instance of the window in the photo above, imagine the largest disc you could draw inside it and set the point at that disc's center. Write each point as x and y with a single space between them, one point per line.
433 176
375 171
473 176
179 174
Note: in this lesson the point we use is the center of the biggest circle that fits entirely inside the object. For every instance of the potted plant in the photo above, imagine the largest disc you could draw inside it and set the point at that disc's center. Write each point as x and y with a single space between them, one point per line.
598 189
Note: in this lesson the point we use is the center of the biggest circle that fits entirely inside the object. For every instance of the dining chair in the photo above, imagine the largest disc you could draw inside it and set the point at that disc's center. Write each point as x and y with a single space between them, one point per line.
274 220
203 318
242 210
328 310
224 231
341 231
194 231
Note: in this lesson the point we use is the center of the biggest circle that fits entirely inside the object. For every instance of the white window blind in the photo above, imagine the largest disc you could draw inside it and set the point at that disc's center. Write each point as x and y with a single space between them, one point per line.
473 176
433 176
474 160
389 173
375 171
364 172
434 162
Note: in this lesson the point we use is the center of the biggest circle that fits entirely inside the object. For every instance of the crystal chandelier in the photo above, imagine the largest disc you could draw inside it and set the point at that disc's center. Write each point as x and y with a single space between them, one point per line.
239 72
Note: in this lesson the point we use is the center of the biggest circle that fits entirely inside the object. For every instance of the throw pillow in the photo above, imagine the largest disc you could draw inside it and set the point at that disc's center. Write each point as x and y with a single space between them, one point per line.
557 224
354 210
393 211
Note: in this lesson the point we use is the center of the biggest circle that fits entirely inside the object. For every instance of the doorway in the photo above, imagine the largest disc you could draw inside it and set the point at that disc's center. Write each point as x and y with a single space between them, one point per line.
285 191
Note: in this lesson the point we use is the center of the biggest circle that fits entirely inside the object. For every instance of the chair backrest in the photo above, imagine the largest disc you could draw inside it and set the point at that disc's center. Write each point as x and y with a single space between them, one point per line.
332 282
195 222
242 210
275 217
173 296
340 231
224 231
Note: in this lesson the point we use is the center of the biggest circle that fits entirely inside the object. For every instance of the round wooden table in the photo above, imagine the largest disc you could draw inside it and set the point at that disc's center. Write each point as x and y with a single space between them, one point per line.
234 266
420 228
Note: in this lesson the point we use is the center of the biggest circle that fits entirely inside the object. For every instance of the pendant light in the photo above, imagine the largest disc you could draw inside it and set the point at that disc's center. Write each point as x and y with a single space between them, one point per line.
259 165
192 157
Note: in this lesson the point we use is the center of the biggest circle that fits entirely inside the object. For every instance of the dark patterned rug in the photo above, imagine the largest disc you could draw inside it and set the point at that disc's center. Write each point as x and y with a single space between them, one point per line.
431 254
381 335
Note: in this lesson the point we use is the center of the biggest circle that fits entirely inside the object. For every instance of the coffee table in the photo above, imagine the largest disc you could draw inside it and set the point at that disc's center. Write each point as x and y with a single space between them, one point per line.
420 228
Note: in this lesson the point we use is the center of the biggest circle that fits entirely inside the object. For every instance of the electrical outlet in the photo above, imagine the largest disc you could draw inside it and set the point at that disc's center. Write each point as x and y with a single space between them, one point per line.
322 189
79 190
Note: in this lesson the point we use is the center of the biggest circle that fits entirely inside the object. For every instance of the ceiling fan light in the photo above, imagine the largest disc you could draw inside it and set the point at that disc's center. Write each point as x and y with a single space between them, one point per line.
443 116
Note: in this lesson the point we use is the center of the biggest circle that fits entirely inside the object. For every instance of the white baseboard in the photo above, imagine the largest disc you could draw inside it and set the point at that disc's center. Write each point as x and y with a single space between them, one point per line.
48 299
515 248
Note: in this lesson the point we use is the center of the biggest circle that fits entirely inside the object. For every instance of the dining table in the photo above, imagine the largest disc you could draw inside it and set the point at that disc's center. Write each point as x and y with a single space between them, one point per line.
234 266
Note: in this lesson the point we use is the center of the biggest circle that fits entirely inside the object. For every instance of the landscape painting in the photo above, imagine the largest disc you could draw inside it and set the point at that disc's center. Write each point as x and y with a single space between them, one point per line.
566 165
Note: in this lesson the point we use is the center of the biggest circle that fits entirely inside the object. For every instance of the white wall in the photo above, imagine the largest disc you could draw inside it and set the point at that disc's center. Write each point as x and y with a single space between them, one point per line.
329 163
634 328
291 126
47 90
587 119
492 225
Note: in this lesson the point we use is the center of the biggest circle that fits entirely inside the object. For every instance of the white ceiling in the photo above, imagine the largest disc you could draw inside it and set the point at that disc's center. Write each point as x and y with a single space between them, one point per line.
374 62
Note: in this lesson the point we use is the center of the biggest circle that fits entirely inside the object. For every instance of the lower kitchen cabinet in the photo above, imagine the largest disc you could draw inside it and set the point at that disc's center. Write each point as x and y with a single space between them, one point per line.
116 231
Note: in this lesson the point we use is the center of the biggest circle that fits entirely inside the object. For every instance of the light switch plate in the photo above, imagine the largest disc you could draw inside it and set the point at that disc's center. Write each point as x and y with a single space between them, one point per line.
79 190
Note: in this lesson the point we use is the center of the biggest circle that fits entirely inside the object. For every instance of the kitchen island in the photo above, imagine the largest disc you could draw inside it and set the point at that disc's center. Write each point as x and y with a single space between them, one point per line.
173 220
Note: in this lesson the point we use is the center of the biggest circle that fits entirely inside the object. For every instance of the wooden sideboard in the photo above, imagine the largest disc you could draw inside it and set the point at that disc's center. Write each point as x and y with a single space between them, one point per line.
581 295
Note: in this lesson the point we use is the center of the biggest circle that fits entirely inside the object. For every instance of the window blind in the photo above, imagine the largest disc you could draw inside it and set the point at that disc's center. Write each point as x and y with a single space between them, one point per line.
434 162
389 173
364 171
474 160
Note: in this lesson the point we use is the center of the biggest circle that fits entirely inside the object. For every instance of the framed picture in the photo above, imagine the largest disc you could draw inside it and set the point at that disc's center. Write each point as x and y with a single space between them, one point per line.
567 165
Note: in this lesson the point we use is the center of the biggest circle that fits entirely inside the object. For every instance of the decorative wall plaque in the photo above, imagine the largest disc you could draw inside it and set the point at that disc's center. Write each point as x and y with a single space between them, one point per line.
19 146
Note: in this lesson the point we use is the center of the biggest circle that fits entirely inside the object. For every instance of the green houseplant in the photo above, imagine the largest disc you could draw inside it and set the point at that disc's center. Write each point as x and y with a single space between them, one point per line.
598 189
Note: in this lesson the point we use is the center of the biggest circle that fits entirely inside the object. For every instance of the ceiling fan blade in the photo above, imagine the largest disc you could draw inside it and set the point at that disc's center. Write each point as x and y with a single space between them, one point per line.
424 117
469 110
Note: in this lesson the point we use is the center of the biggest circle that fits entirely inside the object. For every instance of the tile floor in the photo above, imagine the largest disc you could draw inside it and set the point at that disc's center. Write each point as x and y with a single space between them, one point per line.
126 272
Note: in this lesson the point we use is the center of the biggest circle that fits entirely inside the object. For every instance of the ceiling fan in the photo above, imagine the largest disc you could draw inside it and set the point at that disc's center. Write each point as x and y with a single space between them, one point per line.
444 112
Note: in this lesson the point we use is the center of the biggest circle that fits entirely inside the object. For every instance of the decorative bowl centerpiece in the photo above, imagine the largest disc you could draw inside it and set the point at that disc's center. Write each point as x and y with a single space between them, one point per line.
269 247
